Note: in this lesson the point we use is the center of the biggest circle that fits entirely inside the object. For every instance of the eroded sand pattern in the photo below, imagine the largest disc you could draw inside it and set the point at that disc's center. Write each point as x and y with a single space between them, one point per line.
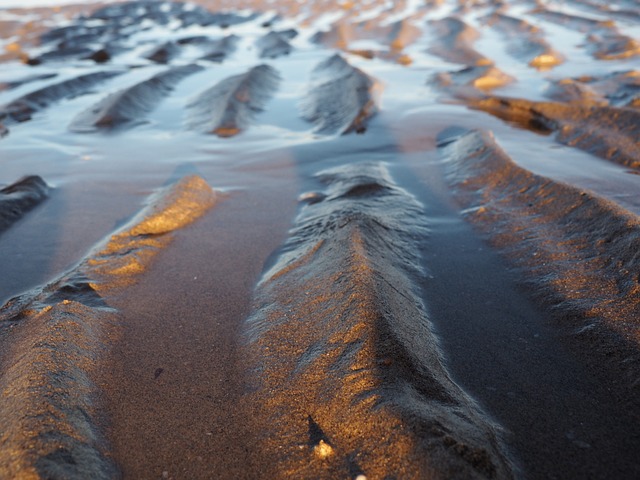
369 353
423 261
49 418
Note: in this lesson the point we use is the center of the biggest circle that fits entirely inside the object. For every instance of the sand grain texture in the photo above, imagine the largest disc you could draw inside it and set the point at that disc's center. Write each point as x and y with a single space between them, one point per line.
525 41
605 41
228 108
348 373
608 132
221 49
585 249
454 42
275 44
129 106
50 415
23 108
341 98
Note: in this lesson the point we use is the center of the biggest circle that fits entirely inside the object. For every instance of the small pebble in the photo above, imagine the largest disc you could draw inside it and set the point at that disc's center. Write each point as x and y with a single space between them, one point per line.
312 197
323 450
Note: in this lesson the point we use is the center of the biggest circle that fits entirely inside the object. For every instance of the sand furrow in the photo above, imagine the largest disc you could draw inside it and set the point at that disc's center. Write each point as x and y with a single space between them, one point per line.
341 98
453 42
615 10
525 41
607 132
164 53
51 425
569 90
69 53
347 371
10 84
130 106
579 252
339 36
228 107
393 37
275 44
576 22
619 89
74 34
604 41
622 89
613 46
402 34
482 78
121 15
23 108
110 29
20 197
220 49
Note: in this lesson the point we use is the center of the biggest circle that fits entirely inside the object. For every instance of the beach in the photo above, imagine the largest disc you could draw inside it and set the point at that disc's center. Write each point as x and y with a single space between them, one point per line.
360 240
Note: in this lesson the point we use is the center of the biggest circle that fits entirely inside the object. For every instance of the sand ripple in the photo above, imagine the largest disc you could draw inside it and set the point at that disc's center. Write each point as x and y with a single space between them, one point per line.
50 413
348 372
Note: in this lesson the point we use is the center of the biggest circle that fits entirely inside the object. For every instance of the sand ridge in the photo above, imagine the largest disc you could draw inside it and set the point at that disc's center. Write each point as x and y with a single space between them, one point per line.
51 424
349 265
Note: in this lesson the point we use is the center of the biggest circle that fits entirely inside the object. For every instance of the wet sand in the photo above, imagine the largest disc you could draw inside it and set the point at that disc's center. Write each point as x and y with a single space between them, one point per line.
320 240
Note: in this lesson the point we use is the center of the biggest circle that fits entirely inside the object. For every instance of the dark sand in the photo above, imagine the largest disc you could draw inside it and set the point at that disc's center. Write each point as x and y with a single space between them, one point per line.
378 288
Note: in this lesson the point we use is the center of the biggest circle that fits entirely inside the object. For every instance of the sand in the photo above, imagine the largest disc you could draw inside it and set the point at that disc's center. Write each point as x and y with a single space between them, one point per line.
319 240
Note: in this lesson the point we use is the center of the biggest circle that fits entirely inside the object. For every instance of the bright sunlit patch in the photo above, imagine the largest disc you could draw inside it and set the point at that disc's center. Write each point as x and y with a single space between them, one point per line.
545 61
323 450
